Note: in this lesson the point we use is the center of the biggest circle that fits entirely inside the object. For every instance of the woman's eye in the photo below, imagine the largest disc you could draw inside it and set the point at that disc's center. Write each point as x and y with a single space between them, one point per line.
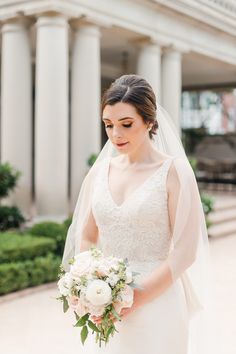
109 126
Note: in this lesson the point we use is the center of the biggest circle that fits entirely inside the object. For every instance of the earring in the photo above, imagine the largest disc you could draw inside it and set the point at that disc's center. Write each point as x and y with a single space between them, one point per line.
149 128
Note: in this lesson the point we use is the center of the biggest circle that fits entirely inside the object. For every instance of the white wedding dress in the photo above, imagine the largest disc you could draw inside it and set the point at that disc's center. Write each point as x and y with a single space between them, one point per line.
139 230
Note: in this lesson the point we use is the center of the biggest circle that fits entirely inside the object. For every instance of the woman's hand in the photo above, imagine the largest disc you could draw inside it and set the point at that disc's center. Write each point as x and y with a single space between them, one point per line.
139 300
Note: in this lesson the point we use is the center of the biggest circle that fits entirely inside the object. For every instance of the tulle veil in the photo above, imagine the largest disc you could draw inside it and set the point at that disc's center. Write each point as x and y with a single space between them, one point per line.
189 257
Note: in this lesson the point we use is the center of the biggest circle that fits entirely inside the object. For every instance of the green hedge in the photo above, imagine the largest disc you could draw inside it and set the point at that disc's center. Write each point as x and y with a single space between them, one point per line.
10 217
67 223
15 247
20 275
52 230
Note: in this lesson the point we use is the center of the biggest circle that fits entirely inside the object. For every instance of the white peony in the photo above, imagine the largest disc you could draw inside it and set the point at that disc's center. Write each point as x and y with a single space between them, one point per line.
112 279
98 292
65 284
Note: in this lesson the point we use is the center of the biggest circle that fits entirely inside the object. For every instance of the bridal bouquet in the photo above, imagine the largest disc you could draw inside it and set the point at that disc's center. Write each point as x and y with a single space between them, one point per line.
96 286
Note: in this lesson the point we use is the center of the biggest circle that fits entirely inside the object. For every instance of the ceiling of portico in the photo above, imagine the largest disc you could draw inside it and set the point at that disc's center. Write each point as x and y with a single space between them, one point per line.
197 70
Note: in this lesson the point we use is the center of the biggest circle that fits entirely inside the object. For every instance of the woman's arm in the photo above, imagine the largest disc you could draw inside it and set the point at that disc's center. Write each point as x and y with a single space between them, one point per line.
89 233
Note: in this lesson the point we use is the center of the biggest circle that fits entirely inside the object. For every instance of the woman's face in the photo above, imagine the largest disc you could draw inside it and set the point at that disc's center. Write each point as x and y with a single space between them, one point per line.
124 126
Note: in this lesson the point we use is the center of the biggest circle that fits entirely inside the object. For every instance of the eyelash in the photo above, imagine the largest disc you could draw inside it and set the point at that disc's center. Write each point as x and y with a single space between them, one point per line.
124 125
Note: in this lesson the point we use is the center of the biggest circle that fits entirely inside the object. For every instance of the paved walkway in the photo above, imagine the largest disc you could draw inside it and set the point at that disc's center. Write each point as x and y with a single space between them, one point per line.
35 324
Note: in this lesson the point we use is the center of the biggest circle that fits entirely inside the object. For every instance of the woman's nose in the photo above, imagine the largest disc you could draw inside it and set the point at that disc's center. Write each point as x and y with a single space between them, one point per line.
116 132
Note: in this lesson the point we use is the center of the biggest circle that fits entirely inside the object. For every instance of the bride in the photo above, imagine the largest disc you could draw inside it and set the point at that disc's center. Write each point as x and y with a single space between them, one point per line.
140 201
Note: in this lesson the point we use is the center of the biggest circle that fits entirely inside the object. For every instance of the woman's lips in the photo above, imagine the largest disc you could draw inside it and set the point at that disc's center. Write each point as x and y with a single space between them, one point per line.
121 144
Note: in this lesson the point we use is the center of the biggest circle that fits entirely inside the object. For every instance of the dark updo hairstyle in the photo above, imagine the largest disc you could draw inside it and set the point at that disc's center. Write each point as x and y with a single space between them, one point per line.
135 90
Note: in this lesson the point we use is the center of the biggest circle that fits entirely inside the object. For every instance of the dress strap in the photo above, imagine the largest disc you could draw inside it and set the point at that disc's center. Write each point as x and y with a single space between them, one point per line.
164 170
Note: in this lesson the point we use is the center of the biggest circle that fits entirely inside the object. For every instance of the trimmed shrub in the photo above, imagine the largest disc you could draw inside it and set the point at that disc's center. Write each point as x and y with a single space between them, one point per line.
13 277
10 217
67 223
92 158
8 178
207 203
15 247
52 230
20 275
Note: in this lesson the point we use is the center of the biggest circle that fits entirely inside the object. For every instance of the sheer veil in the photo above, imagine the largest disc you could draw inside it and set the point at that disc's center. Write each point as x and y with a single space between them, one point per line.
189 255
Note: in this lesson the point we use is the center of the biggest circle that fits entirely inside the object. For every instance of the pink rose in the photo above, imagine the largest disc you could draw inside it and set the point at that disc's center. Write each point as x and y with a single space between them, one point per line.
73 302
96 310
77 305
127 299
118 306
80 267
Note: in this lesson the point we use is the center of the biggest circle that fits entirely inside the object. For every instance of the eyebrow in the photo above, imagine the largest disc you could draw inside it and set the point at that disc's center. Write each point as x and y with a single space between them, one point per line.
119 119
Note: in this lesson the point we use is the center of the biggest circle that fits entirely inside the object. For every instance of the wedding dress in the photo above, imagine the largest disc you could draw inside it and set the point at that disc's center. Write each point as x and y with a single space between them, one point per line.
139 230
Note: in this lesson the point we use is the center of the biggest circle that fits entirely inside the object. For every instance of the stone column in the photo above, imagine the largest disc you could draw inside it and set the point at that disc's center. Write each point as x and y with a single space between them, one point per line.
85 103
149 66
16 109
172 84
51 116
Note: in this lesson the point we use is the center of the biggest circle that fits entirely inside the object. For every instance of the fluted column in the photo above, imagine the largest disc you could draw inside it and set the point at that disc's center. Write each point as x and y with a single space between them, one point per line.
16 109
149 66
85 104
51 116
172 84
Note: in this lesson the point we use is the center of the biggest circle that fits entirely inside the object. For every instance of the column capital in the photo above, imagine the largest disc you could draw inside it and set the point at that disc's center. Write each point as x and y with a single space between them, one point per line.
172 53
54 20
168 43
16 24
176 49
148 44
89 20
86 28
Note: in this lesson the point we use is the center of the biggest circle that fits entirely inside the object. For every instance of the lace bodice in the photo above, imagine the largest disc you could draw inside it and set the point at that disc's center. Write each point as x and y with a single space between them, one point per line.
139 228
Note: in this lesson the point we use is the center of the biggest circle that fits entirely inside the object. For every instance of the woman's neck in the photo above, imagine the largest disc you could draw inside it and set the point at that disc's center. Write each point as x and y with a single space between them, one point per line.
145 153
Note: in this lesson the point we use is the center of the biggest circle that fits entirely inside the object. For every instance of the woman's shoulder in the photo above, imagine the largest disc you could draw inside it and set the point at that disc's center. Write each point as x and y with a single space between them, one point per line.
180 172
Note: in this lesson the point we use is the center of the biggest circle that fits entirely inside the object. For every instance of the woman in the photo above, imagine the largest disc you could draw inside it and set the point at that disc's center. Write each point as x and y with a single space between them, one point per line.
142 203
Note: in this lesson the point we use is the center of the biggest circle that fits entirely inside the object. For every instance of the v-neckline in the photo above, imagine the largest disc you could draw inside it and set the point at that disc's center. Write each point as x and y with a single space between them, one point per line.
136 189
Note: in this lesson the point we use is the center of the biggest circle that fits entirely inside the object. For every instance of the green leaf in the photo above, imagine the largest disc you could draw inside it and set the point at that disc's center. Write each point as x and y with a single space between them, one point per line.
110 330
59 298
82 321
76 316
84 334
93 326
65 304
115 314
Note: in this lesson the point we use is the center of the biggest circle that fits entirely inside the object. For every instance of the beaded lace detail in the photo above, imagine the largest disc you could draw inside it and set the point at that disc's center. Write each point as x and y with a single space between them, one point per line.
138 229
